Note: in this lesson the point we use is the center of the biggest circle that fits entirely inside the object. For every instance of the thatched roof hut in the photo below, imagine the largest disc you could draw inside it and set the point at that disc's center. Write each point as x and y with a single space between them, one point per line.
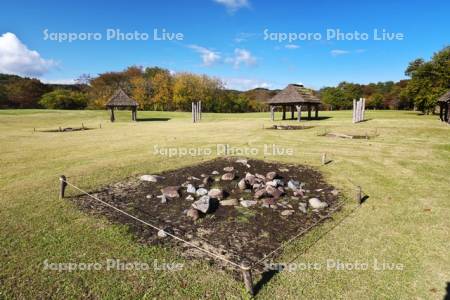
444 107
121 99
295 95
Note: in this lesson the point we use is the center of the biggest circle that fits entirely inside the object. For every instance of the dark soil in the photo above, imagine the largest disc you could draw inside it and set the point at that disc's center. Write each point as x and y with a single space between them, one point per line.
235 232
290 127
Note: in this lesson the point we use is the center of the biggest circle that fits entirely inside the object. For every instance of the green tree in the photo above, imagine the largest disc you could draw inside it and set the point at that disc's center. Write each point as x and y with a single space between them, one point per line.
429 80
64 99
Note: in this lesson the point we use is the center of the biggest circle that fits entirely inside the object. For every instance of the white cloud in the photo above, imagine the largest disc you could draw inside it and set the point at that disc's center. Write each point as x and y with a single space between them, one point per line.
16 58
241 56
233 5
291 46
245 84
337 52
59 81
208 56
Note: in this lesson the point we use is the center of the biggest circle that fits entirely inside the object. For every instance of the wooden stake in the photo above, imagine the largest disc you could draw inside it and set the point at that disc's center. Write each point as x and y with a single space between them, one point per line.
63 185
324 158
358 194
247 276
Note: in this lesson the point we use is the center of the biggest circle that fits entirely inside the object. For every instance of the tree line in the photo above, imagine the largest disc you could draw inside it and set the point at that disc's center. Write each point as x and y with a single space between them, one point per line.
156 88
429 80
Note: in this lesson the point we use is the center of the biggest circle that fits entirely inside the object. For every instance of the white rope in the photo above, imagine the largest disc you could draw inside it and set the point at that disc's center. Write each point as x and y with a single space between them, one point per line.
154 227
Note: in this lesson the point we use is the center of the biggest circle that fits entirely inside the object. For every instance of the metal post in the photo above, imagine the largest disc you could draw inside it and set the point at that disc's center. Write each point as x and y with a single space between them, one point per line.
62 186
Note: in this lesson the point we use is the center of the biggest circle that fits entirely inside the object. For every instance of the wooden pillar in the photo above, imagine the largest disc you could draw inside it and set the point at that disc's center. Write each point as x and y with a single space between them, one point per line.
309 111
354 111
62 187
446 118
272 113
247 276
292 112
441 110
112 118
200 110
284 112
299 113
316 107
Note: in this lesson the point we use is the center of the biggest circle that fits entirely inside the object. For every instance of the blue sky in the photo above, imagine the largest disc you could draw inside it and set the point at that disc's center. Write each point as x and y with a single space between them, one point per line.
224 38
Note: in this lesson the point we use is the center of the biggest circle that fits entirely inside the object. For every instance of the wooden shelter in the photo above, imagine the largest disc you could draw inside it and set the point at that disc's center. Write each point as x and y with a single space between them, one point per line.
121 100
444 107
294 96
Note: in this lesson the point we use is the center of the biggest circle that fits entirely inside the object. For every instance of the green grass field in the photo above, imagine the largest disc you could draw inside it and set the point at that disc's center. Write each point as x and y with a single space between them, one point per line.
405 220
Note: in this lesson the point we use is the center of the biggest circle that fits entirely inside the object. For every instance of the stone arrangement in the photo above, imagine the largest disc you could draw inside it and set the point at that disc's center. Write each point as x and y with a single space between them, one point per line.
269 191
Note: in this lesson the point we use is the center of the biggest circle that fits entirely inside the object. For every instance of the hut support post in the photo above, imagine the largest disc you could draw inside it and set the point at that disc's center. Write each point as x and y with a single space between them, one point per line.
112 118
284 112
272 113
316 111
292 112
309 112
441 110
299 113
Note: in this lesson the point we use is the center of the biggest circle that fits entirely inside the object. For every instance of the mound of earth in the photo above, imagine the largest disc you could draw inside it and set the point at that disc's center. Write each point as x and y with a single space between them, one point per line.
240 209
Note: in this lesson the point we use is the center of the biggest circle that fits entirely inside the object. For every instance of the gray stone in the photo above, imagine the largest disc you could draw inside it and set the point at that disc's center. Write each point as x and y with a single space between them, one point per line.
202 204
293 185
190 198
317 204
242 184
151 178
274 192
248 203
287 212
242 161
201 192
271 175
215 193
163 198
250 178
284 170
260 193
302 207
171 191
260 176
162 234
193 178
334 192
215 172
193 213
149 196
228 176
228 169
229 202
191 189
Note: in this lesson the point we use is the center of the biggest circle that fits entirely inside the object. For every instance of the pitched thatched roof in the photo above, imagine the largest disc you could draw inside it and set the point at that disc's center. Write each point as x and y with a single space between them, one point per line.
445 97
121 99
293 94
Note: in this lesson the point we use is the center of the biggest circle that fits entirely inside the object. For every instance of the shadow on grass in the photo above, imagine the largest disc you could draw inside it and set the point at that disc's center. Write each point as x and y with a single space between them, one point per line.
447 295
265 278
151 119
306 119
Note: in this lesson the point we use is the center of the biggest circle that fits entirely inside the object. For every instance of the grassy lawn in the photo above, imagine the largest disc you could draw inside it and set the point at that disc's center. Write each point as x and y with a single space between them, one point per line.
405 220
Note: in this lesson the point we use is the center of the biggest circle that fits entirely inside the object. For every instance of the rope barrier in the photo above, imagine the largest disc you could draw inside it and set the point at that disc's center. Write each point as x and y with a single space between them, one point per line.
155 227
